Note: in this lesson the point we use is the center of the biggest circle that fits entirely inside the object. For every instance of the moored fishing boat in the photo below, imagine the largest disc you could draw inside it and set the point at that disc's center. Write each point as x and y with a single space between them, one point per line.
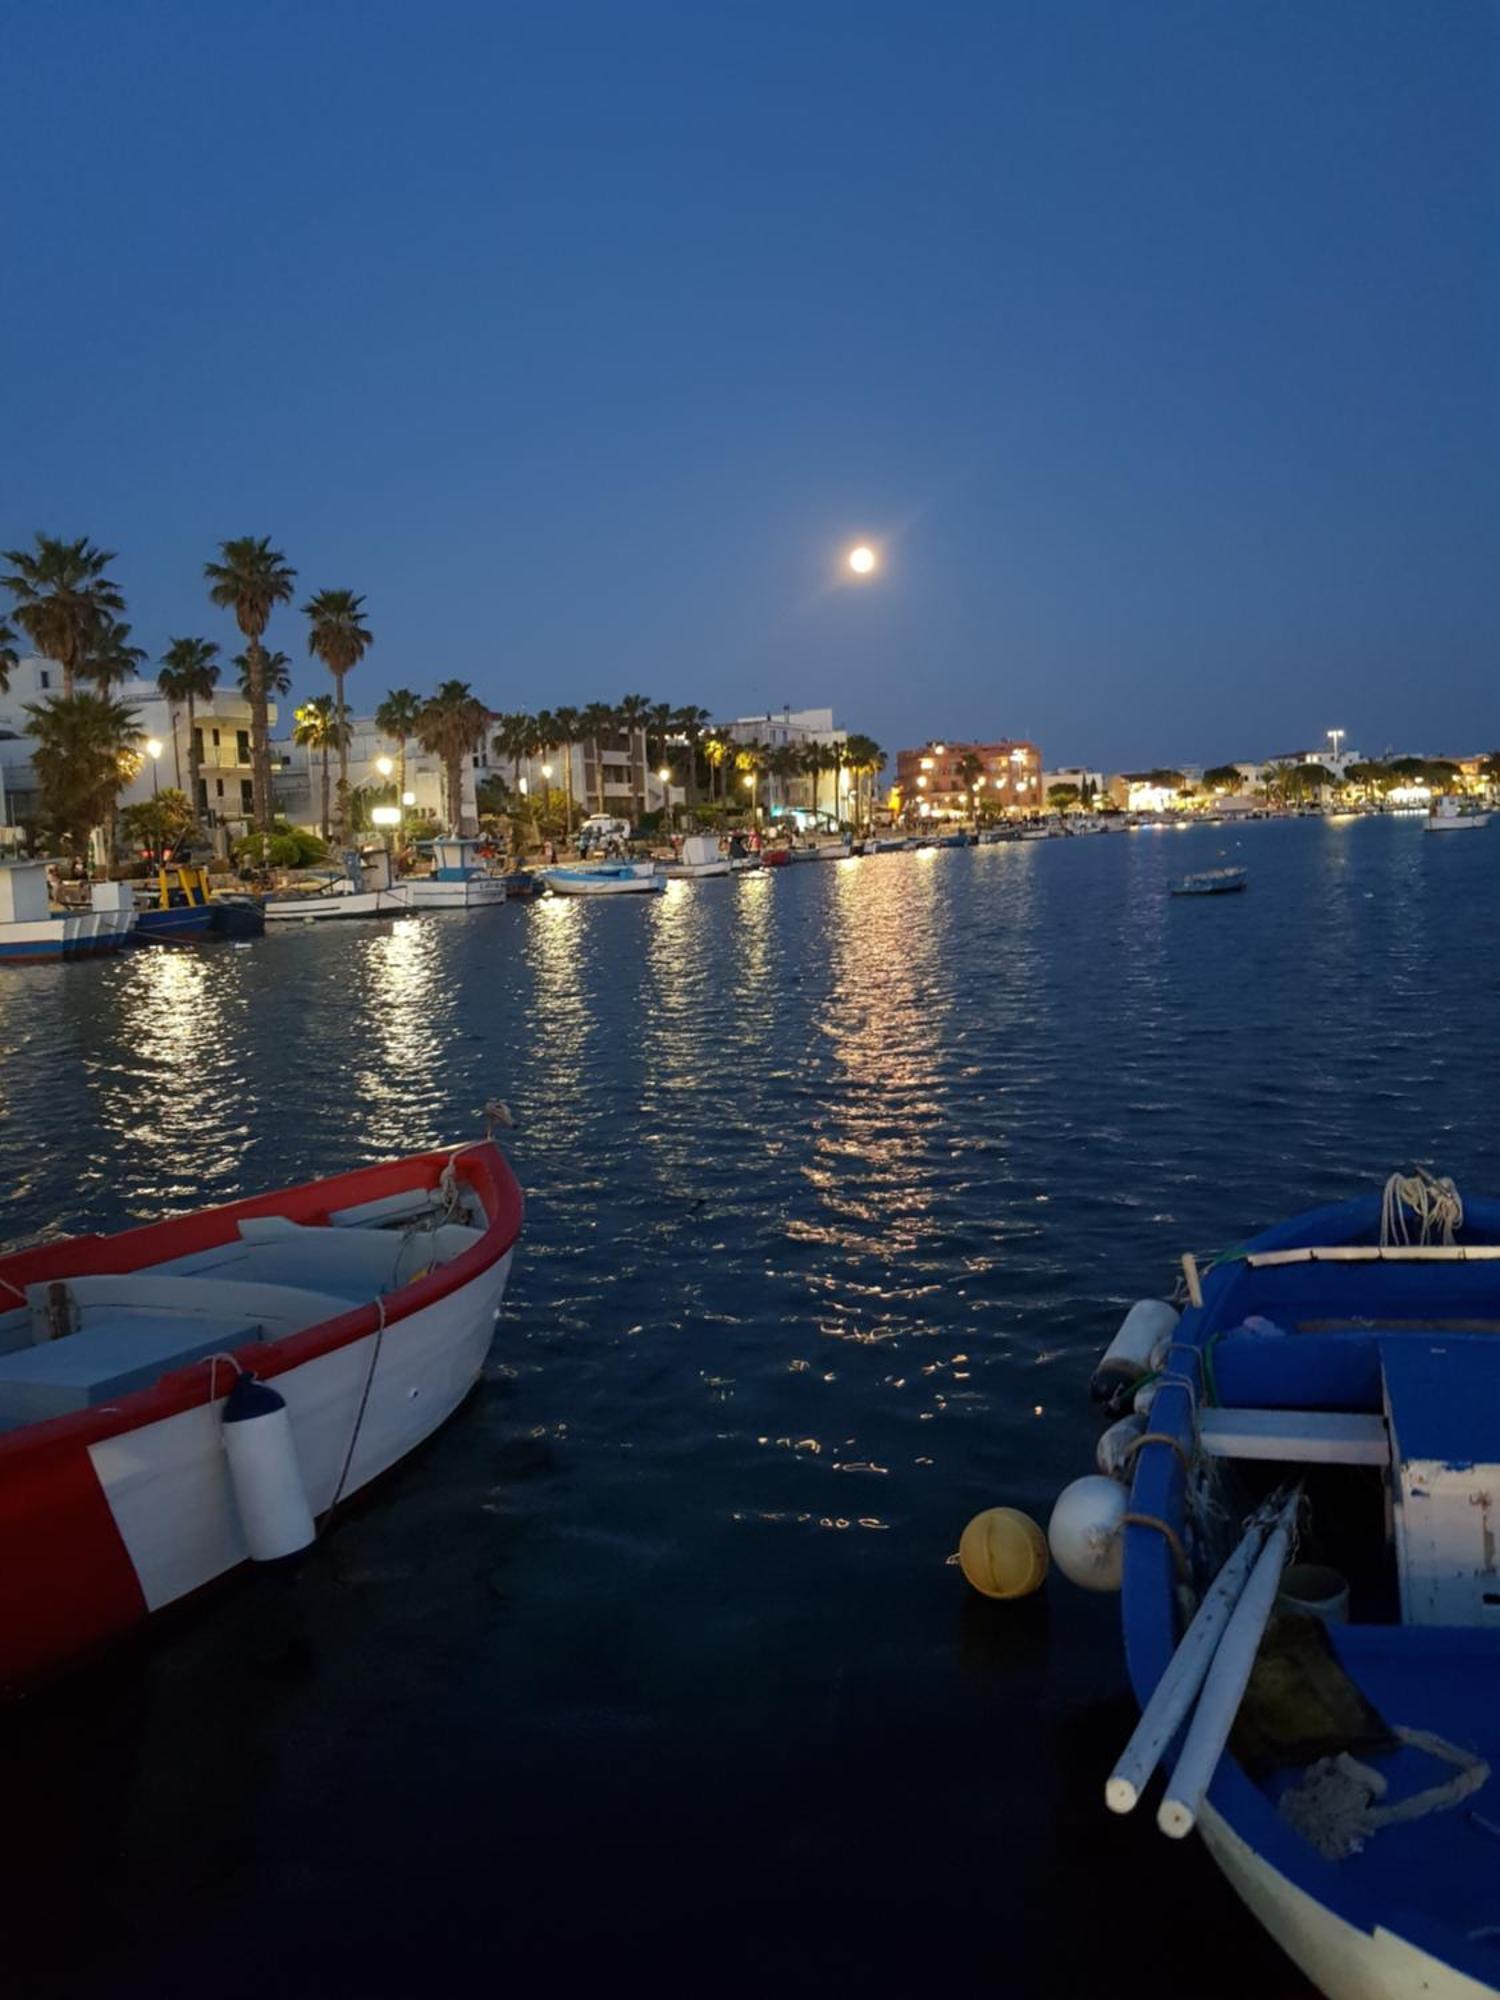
362 888
131 1472
700 857
32 932
1446 815
459 880
1330 1392
610 878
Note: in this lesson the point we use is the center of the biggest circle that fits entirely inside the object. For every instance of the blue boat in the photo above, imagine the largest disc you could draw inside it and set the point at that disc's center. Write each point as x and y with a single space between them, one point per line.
1212 882
1331 1392
177 923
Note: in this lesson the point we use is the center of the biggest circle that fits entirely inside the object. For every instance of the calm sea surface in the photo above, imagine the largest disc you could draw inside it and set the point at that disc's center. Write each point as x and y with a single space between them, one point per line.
654 1664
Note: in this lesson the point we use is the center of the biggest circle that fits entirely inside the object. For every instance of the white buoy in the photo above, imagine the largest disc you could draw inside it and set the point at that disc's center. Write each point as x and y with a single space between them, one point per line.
1128 1356
1084 1532
1113 1453
1224 1688
1173 1694
264 1472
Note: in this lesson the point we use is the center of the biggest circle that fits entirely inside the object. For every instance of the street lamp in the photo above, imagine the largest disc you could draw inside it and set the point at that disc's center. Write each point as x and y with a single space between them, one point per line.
384 766
1336 737
153 751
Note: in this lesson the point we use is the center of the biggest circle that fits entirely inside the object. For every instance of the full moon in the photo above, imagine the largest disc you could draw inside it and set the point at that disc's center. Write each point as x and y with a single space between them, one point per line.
862 560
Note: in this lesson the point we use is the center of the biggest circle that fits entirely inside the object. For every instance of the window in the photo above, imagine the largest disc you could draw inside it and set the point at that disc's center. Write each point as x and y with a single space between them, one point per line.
247 795
216 739
242 745
220 783
45 678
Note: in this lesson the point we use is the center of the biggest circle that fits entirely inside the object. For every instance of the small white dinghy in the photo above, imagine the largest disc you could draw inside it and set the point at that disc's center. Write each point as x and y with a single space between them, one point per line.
611 878
180 1398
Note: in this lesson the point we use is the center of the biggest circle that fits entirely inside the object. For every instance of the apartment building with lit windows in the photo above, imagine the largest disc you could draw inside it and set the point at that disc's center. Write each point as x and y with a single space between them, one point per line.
935 779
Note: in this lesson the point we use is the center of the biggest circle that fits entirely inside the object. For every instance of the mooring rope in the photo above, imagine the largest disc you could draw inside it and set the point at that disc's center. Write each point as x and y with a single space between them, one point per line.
1435 1204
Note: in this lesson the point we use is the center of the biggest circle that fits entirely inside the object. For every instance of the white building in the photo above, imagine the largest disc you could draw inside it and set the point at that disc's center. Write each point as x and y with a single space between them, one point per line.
226 790
1090 783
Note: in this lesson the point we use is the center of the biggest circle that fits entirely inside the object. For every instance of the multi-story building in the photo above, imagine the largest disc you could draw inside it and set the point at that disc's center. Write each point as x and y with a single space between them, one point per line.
936 779
1089 784
827 793
297 775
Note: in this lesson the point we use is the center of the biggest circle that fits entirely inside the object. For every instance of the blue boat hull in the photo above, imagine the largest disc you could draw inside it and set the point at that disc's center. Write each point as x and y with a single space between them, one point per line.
178 925
1412 1911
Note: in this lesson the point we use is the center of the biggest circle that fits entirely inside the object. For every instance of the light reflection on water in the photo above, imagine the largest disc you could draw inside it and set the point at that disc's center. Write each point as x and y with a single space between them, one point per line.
838 1178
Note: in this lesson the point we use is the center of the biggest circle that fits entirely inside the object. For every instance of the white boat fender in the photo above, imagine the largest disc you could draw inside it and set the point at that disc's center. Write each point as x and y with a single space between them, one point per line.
1145 1396
264 1473
1128 1356
1086 1533
1115 1451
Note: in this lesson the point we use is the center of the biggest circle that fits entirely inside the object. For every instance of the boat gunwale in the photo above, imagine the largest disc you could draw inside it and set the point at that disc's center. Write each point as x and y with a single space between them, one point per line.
480 1163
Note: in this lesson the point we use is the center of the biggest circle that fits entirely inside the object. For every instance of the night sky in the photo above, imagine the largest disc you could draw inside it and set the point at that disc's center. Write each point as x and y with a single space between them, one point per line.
1155 344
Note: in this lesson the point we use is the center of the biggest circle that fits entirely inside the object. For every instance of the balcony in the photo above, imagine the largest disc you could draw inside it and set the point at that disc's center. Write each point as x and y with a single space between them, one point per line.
222 757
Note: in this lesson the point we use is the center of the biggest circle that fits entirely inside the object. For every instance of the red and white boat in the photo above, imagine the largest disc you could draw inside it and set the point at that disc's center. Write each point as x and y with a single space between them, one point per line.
365 1304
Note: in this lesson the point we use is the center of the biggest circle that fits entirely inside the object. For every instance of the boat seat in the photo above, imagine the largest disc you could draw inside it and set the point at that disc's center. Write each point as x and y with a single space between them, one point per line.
155 1296
358 1263
109 1359
1297 1437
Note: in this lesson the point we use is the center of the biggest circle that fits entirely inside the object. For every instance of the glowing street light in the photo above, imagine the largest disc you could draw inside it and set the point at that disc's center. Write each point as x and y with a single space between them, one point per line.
384 766
1336 737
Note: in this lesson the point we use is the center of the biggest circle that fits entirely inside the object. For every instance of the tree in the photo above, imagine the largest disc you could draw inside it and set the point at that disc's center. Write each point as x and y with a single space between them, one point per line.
867 760
275 676
9 657
1305 780
82 744
1370 778
317 726
251 579
784 764
688 726
452 726
397 718
1060 797
631 717
1223 778
1166 779
63 595
750 763
339 636
108 659
718 748
569 723
188 675
161 821
511 740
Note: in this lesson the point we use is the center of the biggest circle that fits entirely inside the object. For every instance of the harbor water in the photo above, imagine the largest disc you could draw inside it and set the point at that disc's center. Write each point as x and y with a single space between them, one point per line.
655 1664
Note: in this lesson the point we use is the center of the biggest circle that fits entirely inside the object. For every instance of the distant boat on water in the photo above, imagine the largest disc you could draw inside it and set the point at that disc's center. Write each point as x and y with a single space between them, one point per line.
1446 815
1212 882
615 878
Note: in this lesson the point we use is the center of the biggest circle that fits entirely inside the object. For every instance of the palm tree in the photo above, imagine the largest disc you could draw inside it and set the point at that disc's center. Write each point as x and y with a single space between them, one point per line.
510 741
62 596
188 675
687 724
814 763
251 580
108 659
598 722
397 717
452 725
275 676
82 744
340 638
867 760
719 750
9 657
317 726
631 718
784 763
569 725
750 762
546 737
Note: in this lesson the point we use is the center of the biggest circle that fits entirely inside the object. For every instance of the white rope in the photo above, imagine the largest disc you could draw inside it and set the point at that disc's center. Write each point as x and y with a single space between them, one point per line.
1435 1205
1333 1808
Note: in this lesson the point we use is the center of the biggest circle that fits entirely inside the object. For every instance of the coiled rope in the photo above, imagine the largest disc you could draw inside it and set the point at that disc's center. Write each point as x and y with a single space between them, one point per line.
1433 1203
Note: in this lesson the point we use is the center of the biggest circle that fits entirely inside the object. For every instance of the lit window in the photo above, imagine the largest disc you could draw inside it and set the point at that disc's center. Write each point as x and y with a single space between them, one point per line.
926 763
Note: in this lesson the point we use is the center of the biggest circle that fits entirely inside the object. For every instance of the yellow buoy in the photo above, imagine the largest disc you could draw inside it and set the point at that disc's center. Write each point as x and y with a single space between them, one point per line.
1003 1553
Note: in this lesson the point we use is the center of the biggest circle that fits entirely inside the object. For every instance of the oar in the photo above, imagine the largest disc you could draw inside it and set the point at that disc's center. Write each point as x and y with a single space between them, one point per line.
1174 1692
1225 1687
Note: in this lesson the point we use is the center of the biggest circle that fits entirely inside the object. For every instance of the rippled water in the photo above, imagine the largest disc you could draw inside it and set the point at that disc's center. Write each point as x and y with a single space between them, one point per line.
654 1663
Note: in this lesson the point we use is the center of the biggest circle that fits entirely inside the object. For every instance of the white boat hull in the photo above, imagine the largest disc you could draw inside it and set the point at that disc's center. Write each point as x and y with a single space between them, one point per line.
578 882
1342 1962
430 893
693 871
167 1484
333 909
1458 823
